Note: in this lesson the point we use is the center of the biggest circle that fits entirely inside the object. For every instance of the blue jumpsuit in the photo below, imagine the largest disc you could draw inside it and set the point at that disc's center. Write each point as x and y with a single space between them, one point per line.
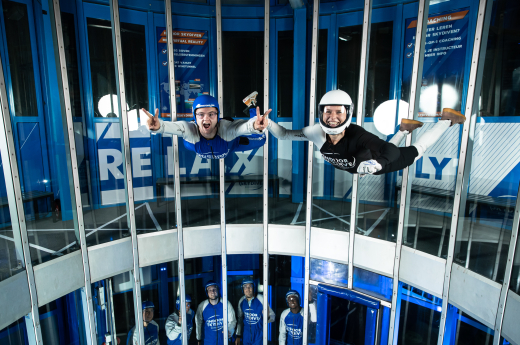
209 321
291 328
151 335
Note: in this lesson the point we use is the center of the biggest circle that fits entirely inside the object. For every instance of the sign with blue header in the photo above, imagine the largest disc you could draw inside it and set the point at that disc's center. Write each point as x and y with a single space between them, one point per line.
443 68
190 50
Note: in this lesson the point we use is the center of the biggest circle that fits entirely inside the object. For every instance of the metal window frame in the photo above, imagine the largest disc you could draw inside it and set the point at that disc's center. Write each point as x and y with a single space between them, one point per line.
127 166
222 170
177 183
265 194
70 143
466 148
360 118
16 210
418 59
310 153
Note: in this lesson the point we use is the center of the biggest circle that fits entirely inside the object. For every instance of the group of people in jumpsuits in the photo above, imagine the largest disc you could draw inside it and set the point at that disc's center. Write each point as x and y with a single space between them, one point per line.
247 326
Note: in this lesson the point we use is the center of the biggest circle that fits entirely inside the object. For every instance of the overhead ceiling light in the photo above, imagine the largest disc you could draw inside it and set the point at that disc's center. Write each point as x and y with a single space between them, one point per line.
345 38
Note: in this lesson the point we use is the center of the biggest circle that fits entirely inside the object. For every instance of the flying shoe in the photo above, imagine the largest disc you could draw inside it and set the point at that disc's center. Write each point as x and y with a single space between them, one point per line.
454 116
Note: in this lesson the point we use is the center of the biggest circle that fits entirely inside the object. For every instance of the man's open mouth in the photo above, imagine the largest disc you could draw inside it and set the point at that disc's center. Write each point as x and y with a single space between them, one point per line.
206 125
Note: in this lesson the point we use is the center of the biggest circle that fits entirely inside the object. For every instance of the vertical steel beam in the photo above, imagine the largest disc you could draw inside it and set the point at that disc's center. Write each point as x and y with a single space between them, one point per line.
509 269
72 160
310 153
127 163
16 210
360 117
177 183
466 148
417 71
265 195
222 171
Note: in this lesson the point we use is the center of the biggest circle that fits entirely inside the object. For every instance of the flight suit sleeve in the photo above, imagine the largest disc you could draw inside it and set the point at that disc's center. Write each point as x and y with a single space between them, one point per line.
186 130
172 327
283 329
232 321
240 318
199 321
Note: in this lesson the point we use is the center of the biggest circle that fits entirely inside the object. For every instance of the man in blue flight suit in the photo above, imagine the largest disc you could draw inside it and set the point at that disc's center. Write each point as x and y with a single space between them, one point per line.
209 319
291 321
151 328
250 326
209 136
174 322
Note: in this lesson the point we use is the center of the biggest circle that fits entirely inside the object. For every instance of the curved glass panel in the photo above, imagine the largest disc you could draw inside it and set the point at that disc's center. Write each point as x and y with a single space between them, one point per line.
483 237
285 273
114 308
419 316
39 141
244 167
15 333
444 85
62 320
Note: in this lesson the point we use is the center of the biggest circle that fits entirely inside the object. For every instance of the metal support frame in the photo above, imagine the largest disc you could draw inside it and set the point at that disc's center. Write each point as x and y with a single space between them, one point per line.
507 275
222 171
466 148
177 183
418 59
127 166
360 117
265 195
310 153
16 210
72 161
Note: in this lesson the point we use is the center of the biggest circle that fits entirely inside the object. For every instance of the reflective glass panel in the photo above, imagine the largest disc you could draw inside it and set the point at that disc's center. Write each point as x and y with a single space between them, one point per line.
484 235
285 273
329 272
419 316
39 144
62 320
349 322
444 83
373 284
15 333
114 308
514 284
244 166
463 329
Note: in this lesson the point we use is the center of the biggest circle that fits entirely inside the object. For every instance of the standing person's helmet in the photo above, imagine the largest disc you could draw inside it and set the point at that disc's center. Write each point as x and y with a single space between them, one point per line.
148 304
178 301
248 281
210 283
336 97
292 293
205 101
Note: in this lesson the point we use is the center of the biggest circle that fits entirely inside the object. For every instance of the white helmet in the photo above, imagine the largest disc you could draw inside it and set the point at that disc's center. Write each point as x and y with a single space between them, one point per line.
336 97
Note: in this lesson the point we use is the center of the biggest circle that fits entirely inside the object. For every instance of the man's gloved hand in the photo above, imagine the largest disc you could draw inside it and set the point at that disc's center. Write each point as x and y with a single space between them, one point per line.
369 167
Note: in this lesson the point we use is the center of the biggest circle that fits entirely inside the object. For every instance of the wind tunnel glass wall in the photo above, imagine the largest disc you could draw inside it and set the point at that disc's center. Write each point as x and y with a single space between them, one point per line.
444 84
39 139
285 273
15 333
463 329
419 316
114 309
243 51
483 239
62 321
514 283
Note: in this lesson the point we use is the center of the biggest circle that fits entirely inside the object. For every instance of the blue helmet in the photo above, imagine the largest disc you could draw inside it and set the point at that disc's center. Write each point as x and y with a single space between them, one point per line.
210 283
205 101
178 302
148 304
248 281
292 293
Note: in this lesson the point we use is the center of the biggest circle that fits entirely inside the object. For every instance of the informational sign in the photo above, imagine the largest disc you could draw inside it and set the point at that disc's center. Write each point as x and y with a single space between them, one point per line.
443 69
190 50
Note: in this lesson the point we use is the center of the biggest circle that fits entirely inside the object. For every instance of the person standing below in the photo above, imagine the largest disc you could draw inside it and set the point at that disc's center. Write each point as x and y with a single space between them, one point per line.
174 322
151 328
209 319
250 312
291 320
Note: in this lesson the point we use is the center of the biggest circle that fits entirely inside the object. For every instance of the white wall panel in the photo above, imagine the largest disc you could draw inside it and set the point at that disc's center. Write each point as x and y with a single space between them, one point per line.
286 240
474 294
245 239
58 277
374 255
110 259
330 245
202 241
15 300
158 247
423 271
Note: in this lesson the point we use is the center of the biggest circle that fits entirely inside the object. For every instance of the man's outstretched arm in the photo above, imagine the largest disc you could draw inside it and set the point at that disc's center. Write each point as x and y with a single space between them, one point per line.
309 133
183 129
230 130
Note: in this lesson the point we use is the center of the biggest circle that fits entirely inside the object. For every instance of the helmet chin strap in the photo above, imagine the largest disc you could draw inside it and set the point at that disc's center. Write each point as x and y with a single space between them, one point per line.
334 130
